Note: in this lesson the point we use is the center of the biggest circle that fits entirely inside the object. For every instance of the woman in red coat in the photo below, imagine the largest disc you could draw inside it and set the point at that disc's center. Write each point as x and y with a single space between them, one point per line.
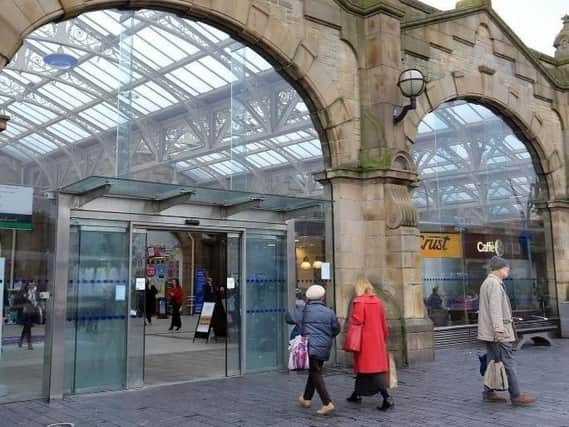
176 294
373 359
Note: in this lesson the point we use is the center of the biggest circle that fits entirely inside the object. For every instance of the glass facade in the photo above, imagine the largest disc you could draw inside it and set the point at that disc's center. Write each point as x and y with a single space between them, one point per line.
155 107
479 195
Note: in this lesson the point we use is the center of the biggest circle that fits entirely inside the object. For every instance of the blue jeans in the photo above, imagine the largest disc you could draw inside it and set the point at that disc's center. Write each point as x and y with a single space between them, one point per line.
509 363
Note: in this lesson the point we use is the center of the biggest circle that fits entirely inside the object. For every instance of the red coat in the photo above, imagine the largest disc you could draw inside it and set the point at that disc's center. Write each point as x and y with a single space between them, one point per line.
176 295
368 311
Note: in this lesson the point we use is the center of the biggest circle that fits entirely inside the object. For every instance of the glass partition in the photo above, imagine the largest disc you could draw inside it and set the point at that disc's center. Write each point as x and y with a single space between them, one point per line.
97 308
480 195
265 301
26 228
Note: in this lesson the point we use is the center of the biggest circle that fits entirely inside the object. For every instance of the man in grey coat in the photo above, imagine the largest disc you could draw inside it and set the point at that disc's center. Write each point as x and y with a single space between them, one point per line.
496 328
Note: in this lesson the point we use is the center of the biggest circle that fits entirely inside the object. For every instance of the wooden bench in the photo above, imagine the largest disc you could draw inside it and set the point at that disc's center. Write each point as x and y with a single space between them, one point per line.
536 330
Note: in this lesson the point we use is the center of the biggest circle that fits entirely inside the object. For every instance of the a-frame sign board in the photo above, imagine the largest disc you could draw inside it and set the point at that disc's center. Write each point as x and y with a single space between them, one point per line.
203 326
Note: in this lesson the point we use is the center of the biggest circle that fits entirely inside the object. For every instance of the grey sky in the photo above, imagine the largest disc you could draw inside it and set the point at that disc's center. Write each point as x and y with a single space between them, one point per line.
536 23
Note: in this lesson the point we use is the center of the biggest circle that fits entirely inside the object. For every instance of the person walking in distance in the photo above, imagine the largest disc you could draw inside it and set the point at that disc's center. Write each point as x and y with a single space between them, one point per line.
320 324
176 295
496 329
373 358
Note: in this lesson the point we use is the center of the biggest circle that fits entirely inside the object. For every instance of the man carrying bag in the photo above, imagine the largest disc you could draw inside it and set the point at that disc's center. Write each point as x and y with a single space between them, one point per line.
496 328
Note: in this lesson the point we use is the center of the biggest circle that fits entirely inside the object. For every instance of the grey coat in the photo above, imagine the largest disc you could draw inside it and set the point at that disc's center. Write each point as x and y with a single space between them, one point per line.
320 325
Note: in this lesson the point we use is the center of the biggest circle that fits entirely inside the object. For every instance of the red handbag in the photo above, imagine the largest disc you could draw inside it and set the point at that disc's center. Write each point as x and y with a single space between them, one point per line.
353 339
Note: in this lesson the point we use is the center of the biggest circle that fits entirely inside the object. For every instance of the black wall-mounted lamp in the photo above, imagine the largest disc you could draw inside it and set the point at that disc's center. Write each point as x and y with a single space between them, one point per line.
411 84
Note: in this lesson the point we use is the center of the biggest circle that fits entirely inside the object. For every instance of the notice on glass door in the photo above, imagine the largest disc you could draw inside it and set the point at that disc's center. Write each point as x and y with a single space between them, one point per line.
325 271
120 293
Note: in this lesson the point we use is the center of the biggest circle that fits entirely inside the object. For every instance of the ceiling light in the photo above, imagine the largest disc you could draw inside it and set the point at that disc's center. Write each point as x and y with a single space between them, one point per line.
60 60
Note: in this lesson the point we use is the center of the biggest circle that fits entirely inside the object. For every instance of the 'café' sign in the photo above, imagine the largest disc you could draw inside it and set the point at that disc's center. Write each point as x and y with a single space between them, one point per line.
494 247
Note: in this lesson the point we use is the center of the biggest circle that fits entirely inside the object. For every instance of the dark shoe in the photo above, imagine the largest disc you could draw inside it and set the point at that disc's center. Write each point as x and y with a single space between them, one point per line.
523 399
387 404
170 328
354 398
493 397
178 328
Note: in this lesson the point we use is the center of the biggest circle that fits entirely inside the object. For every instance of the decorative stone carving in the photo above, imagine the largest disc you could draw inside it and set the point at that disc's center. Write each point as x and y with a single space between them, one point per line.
561 42
401 211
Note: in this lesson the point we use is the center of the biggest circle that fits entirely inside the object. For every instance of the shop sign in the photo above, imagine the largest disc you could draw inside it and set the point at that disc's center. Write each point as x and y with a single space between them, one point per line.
16 207
441 245
495 247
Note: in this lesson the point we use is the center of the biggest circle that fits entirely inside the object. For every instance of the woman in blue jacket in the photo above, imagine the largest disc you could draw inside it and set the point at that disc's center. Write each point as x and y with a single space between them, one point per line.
320 325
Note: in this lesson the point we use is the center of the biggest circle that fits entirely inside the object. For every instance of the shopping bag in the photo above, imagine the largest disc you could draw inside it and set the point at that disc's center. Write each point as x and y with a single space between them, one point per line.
353 338
495 377
392 374
298 358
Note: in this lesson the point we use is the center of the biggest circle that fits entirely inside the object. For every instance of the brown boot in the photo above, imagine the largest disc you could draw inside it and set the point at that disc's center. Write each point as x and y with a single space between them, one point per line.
494 398
524 399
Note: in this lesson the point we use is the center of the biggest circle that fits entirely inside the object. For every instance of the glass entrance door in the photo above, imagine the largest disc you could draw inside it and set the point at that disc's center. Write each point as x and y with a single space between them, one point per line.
97 307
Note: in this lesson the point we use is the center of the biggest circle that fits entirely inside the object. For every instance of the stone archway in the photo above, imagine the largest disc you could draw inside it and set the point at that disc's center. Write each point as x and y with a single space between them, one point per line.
542 129
281 35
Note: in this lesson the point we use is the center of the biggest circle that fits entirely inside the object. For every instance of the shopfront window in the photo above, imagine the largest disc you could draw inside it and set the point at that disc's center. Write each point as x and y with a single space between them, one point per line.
479 195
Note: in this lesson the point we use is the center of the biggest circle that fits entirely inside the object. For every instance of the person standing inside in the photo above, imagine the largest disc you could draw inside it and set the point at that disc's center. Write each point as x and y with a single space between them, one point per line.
176 294
27 306
372 361
150 301
320 324
496 329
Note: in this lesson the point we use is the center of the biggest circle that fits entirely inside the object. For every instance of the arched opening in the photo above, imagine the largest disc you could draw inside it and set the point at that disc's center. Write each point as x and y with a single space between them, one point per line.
150 99
153 96
481 193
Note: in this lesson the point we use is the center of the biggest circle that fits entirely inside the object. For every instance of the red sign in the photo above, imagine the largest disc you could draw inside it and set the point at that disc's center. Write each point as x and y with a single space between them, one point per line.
150 270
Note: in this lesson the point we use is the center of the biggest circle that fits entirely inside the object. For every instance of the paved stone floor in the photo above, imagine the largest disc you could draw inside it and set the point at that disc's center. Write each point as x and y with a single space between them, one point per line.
442 393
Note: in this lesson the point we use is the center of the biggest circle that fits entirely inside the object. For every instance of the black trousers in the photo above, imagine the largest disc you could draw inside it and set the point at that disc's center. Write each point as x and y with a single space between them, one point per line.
176 319
315 381
26 333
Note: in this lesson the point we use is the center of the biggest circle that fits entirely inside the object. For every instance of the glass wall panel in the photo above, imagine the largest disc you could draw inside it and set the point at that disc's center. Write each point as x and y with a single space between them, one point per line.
25 287
266 301
479 195
97 309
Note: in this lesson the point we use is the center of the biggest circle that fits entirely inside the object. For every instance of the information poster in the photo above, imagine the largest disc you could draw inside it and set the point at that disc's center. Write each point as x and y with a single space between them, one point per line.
16 207
199 288
206 315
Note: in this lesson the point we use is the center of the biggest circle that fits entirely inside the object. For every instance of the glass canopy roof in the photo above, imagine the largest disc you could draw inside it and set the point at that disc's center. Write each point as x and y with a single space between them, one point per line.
198 101
472 167
207 196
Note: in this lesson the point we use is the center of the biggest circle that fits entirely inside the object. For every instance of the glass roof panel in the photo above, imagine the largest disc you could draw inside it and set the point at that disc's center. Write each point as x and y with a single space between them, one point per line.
14 152
197 85
31 112
204 74
219 68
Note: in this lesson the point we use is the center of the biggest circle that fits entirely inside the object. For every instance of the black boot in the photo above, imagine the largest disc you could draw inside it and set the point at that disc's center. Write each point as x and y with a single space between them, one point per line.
387 404
354 398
